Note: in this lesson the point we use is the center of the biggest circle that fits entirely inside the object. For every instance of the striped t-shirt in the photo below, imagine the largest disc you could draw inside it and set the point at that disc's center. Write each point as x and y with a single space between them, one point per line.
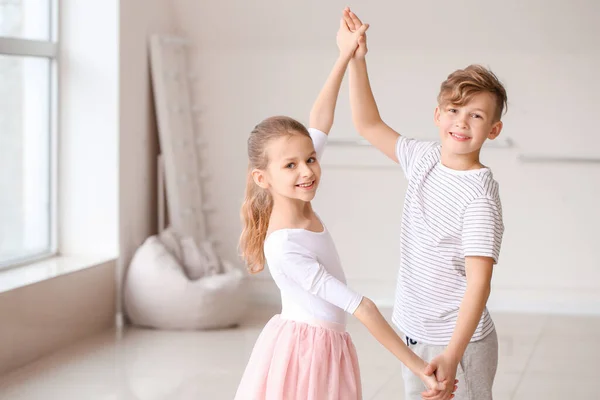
448 215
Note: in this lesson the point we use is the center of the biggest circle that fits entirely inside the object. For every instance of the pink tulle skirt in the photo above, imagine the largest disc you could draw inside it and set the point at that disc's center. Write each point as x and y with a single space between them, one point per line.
300 361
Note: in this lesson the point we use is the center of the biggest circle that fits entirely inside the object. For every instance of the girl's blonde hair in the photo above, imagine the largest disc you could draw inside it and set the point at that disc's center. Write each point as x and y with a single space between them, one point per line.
258 202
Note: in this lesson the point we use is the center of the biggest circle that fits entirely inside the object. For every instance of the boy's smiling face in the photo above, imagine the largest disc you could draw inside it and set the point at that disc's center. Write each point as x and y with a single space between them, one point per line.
464 128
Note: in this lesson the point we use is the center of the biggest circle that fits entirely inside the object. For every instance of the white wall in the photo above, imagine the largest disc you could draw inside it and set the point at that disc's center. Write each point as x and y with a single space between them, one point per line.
262 58
137 126
88 130
41 318
108 148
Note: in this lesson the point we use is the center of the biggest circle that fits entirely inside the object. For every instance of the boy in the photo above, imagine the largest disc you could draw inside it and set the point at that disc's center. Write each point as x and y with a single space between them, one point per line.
452 226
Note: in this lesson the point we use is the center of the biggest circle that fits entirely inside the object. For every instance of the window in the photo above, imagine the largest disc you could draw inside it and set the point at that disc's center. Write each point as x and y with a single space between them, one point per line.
28 112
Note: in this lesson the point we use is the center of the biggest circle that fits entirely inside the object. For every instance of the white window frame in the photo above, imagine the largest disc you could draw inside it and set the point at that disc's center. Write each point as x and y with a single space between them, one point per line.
48 49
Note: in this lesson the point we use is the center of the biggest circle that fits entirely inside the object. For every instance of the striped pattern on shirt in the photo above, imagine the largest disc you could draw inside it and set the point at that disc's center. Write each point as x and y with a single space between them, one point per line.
448 215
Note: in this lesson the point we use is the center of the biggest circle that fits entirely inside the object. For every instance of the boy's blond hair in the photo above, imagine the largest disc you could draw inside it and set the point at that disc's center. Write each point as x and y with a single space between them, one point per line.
463 84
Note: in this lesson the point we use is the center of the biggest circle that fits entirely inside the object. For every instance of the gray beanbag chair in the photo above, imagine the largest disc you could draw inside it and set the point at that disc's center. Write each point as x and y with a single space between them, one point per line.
162 292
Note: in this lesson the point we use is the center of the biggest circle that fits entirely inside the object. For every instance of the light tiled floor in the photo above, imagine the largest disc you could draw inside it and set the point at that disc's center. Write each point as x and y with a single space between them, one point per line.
541 357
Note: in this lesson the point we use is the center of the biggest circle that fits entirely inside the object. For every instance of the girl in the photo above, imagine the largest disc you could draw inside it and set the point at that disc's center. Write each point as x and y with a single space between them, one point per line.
305 352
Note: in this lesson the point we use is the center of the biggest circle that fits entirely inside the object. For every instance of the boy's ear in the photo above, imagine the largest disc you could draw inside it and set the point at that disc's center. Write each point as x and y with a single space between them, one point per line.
436 116
496 129
259 178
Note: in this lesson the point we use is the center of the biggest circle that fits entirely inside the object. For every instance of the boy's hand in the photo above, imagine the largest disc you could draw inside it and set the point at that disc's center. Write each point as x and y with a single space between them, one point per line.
348 40
443 367
354 23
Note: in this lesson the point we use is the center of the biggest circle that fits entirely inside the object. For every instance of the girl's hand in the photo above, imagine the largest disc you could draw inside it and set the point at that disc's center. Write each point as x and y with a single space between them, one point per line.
348 40
354 23
435 390
443 368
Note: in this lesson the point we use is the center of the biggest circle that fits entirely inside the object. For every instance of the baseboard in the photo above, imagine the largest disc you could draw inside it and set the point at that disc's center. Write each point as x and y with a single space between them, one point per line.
566 301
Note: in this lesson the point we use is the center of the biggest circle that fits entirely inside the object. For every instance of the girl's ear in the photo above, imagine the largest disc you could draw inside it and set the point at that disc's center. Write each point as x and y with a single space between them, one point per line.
260 178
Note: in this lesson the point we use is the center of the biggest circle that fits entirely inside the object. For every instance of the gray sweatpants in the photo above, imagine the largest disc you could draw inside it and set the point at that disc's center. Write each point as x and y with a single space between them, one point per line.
475 373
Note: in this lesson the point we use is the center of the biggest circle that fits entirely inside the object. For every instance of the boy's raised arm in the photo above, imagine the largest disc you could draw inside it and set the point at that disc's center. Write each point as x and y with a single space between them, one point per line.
365 114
